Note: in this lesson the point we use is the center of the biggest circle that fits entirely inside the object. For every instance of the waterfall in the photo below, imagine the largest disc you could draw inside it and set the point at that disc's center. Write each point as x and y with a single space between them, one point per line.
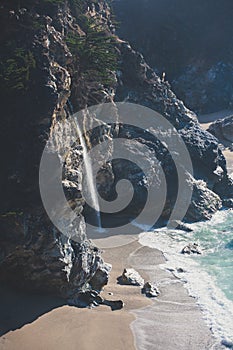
89 175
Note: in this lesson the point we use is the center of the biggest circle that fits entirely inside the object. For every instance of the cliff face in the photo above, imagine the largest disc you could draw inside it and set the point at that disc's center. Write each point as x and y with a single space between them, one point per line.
61 56
191 41
46 58
139 84
45 61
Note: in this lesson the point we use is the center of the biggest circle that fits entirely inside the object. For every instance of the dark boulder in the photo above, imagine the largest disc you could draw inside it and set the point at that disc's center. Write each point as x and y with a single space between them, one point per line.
150 290
86 299
114 304
179 225
191 248
180 270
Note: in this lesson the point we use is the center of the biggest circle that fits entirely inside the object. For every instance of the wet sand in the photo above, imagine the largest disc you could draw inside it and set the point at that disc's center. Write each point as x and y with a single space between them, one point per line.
172 321
47 324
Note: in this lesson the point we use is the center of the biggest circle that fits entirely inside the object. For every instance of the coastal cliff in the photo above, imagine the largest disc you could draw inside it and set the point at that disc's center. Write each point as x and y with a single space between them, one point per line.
46 62
189 41
58 57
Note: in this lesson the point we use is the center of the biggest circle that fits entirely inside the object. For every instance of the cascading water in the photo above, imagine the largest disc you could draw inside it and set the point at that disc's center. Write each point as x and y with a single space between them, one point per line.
89 176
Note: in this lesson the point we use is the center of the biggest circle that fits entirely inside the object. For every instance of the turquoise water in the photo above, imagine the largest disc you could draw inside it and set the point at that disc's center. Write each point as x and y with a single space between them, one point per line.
207 277
216 239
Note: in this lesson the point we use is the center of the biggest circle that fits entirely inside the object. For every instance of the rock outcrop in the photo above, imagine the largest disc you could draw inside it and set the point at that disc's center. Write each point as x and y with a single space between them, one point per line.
35 256
223 129
204 202
40 73
139 84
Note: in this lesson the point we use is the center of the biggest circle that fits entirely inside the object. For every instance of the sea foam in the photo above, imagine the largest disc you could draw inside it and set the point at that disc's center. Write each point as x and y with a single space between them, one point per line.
199 277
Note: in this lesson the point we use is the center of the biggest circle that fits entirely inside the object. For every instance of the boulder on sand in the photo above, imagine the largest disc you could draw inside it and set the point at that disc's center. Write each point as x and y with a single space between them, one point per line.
150 290
131 277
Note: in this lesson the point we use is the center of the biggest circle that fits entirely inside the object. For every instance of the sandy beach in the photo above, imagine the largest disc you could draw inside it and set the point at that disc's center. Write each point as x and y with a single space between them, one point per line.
72 328
174 320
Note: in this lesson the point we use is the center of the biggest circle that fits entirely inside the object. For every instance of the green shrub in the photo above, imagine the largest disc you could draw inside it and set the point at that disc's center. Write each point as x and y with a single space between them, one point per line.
94 51
15 70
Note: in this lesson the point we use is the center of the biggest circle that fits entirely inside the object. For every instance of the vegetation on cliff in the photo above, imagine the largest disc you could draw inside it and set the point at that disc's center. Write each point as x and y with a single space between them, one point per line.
16 69
94 52
89 40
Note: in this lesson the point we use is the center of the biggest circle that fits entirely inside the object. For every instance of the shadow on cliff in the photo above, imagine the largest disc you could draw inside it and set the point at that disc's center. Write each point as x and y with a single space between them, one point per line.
18 309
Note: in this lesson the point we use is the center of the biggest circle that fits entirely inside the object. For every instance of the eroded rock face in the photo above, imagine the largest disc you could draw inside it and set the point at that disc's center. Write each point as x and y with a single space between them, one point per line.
204 202
223 129
139 84
34 255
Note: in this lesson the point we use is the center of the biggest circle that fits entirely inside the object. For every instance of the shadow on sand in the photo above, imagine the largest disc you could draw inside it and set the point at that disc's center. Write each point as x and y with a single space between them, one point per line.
18 309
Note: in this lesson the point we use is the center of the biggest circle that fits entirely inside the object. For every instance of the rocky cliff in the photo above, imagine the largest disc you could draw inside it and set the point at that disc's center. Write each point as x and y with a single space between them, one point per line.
59 56
46 59
189 41
139 84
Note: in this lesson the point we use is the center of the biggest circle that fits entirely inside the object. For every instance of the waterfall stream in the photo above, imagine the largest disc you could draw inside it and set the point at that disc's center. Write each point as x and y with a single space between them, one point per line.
89 176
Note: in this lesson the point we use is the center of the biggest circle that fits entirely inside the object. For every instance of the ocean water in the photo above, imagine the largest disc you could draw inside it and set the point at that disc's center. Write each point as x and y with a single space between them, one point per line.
208 277
216 238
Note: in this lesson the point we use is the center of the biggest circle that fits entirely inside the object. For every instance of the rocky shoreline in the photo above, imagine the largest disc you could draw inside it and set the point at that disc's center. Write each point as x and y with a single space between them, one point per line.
92 328
50 44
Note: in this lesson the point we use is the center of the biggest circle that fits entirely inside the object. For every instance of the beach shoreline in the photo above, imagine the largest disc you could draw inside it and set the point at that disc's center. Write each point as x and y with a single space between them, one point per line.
177 320
72 327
